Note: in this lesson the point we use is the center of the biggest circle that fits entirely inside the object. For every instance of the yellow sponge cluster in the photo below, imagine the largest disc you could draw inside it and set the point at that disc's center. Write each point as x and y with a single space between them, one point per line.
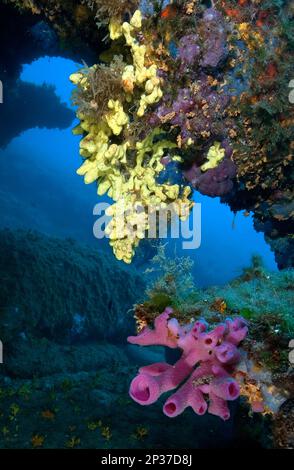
137 74
140 192
127 172
133 188
215 154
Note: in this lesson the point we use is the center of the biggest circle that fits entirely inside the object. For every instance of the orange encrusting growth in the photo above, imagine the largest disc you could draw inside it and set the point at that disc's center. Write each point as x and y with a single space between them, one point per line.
169 12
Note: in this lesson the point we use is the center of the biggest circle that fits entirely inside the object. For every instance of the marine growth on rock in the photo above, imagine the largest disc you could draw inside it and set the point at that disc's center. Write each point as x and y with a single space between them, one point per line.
215 353
204 81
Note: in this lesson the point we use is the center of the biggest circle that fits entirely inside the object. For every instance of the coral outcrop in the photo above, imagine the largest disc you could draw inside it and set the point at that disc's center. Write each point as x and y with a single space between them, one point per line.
215 353
263 371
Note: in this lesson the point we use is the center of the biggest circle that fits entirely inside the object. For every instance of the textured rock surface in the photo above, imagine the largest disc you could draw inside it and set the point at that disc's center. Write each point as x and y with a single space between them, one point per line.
57 289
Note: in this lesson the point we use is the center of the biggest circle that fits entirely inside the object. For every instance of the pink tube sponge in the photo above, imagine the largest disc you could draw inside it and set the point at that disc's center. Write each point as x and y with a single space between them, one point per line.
219 407
160 336
237 330
190 394
156 379
177 403
227 389
227 353
145 389
215 355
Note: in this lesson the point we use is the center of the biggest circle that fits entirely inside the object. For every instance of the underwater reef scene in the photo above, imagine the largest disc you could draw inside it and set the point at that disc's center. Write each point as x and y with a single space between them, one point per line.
68 367
214 100
121 347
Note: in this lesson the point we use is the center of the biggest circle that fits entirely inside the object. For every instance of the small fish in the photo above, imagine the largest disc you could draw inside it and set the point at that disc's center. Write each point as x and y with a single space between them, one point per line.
233 13
48 415
169 12
271 71
262 17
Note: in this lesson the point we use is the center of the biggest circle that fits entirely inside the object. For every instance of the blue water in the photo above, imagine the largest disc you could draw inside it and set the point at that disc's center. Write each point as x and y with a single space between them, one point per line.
40 190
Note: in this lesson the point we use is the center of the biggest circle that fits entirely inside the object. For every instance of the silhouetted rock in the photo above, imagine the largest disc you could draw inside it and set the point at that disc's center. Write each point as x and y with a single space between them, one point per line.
27 106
